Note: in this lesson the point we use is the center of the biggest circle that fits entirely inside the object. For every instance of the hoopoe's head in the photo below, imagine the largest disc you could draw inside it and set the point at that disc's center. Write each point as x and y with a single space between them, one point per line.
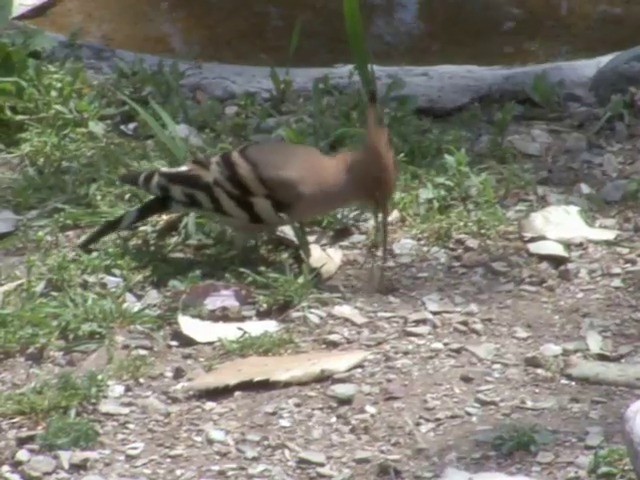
380 169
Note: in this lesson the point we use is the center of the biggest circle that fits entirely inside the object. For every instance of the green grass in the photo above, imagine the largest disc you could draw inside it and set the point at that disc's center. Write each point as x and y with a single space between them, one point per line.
132 367
65 433
62 148
611 464
62 395
277 343
516 437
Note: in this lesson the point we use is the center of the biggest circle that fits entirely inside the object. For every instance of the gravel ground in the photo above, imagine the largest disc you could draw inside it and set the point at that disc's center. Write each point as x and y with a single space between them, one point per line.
473 337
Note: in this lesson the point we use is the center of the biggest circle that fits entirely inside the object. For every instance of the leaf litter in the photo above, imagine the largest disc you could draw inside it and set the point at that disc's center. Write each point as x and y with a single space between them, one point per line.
286 369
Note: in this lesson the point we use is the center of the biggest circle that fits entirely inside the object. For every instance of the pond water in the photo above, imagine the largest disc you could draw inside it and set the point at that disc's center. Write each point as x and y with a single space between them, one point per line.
416 32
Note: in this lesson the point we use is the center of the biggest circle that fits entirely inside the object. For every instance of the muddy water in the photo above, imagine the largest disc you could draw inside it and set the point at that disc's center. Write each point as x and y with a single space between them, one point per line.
418 32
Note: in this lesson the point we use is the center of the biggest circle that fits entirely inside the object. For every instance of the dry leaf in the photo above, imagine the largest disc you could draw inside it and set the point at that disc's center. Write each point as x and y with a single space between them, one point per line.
204 331
562 223
326 261
349 313
7 287
454 474
300 368
548 249
25 9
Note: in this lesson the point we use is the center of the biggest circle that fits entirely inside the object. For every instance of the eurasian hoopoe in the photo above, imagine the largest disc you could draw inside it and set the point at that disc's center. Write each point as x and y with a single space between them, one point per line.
261 186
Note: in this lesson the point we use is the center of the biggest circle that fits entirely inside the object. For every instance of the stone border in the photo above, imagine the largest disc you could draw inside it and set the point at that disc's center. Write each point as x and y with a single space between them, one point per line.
440 89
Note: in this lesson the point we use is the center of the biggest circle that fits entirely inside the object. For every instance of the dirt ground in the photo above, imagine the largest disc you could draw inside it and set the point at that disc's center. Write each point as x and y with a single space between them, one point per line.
455 351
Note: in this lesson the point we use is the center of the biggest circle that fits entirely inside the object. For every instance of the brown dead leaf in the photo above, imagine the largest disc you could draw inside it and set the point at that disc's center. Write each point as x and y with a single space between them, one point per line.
302 368
327 261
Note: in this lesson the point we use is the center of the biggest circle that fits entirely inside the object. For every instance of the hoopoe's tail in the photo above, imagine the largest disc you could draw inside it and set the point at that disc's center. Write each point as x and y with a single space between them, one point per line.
153 206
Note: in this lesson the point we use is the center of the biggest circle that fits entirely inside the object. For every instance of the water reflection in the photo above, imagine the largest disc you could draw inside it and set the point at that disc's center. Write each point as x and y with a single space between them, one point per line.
399 31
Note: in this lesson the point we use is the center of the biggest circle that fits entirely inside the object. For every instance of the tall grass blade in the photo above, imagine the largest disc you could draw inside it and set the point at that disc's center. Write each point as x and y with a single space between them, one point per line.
177 147
295 38
6 11
357 43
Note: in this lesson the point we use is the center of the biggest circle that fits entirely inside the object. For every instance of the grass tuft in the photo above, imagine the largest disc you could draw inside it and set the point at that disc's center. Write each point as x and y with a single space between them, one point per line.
62 395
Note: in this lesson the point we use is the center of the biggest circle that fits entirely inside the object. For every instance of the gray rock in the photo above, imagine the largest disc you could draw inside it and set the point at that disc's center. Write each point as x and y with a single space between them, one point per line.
216 435
7 474
326 472
545 457
111 407
231 110
116 390
434 303
248 451
22 456
92 477
154 406
134 449
575 142
419 331
615 190
39 466
527 145
190 134
551 350
343 392
520 333
362 456
8 222
405 246
312 457
484 351
616 76
595 436
83 459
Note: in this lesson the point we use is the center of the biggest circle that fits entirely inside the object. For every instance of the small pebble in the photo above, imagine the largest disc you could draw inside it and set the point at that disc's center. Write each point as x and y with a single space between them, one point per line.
40 465
216 435
312 457
545 457
362 456
22 456
134 449
343 392
551 350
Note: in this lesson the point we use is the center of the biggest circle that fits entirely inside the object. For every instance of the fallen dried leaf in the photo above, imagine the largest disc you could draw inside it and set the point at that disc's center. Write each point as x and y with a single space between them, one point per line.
327 261
548 249
300 368
562 223
205 331
454 474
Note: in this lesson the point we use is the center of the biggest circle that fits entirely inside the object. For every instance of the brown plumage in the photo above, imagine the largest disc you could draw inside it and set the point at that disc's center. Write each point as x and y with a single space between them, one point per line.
261 186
